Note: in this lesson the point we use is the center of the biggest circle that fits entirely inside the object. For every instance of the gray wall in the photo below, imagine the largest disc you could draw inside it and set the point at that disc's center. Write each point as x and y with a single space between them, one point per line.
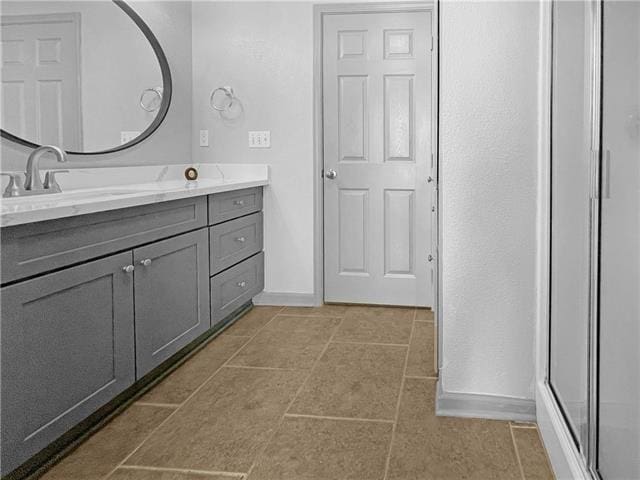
171 143
264 50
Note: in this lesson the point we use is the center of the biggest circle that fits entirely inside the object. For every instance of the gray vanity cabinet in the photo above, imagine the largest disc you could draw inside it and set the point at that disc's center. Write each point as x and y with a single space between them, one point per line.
171 296
76 331
67 349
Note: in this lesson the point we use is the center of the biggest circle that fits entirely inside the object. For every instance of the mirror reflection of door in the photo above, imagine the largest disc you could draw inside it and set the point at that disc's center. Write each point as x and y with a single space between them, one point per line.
41 78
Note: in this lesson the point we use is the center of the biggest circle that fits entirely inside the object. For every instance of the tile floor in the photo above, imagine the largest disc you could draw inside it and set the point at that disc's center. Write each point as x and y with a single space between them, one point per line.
324 393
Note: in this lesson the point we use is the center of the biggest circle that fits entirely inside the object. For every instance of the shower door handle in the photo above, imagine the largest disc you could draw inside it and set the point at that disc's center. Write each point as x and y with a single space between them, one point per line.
606 175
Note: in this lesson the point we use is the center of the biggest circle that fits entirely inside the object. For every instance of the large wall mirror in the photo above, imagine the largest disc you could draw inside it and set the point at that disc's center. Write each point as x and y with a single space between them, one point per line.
88 76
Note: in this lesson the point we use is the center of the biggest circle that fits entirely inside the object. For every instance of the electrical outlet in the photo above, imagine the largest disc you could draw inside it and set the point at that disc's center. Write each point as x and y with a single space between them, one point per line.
126 137
260 139
204 138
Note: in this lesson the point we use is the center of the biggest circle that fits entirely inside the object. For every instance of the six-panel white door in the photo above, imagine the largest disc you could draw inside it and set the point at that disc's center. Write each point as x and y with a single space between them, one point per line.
41 78
377 147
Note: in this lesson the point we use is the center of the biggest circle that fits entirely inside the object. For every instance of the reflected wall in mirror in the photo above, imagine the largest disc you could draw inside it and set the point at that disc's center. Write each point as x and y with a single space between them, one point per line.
82 75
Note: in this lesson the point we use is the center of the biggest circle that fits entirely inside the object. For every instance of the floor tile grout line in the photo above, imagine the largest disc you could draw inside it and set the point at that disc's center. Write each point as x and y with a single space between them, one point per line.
293 399
346 419
524 427
188 398
251 367
397 416
372 343
310 315
157 404
182 470
515 449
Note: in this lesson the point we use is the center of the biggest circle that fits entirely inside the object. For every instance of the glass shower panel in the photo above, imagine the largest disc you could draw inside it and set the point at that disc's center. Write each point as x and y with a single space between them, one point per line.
619 359
570 212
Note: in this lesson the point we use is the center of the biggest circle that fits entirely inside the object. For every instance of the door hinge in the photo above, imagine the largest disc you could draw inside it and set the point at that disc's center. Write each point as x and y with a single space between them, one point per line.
431 47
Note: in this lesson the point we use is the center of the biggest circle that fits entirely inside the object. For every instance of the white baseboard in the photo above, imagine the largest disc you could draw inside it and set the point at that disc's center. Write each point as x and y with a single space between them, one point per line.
472 405
565 459
286 299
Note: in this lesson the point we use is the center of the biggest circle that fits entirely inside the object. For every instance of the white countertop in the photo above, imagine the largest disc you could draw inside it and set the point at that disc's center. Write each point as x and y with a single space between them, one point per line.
94 190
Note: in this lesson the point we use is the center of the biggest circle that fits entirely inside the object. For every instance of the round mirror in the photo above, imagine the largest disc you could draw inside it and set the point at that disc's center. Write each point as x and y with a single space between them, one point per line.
87 76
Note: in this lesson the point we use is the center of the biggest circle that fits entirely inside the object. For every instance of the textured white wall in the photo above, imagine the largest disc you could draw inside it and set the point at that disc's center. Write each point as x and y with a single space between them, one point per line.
488 132
264 50
171 143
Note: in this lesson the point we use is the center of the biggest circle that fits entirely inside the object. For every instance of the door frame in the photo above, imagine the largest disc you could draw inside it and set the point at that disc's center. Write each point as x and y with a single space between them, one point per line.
319 12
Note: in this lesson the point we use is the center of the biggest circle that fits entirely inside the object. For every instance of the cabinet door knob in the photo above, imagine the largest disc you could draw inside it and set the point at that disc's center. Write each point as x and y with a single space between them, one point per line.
240 239
146 262
238 202
242 284
128 269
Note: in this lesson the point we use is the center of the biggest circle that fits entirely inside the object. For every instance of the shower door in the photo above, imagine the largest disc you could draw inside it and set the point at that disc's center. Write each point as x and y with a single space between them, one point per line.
618 418
594 282
572 210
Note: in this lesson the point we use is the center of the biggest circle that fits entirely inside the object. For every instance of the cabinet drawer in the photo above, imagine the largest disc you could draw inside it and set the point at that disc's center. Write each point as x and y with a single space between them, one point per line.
171 297
236 286
228 205
67 349
233 241
35 248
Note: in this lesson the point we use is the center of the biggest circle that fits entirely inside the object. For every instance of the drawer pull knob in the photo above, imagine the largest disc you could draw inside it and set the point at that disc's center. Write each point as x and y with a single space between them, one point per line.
146 262
240 203
241 239
242 284
128 269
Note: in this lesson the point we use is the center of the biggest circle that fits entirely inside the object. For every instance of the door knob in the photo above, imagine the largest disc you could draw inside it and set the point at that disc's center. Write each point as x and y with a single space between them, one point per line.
331 174
146 262
128 269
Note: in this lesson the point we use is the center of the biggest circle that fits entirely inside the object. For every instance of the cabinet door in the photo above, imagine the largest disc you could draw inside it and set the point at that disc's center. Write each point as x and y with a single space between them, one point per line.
171 296
67 349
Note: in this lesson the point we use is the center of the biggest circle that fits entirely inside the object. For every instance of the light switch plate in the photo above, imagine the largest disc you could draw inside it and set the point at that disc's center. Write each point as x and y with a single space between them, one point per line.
260 139
204 138
127 136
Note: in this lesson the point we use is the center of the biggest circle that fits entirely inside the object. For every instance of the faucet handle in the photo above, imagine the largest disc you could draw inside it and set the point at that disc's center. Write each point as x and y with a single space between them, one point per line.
14 187
50 180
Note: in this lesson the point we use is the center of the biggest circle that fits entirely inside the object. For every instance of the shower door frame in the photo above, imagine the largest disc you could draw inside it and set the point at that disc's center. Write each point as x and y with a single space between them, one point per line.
568 460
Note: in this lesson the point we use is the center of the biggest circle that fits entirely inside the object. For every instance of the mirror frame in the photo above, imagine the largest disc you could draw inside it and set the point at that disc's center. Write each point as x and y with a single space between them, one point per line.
166 94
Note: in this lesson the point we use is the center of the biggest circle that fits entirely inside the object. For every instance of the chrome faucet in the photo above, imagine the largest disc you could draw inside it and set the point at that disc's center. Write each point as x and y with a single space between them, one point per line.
33 183
32 174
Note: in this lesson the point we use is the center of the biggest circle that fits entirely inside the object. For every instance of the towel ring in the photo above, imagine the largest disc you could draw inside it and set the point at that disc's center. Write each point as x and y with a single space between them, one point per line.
225 102
222 98
151 99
